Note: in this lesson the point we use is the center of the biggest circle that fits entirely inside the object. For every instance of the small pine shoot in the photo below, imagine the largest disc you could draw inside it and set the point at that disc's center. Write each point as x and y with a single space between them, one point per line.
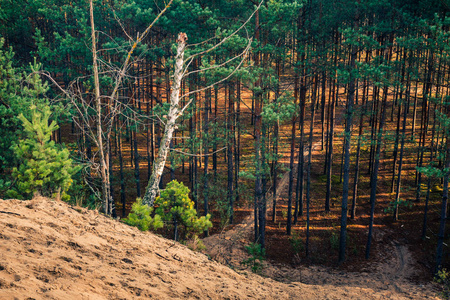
257 257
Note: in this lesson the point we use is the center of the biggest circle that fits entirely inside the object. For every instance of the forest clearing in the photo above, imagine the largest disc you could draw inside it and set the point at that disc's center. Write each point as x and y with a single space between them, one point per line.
305 141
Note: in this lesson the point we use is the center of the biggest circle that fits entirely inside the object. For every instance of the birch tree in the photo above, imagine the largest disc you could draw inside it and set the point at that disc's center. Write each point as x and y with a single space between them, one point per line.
176 110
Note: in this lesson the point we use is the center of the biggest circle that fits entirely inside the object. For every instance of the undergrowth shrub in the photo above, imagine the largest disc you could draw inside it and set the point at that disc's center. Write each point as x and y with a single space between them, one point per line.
141 218
257 257
195 244
443 278
334 240
176 208
172 209
296 243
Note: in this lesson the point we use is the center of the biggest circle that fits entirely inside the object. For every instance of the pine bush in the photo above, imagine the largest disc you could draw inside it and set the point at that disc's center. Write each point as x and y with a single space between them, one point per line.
175 208
140 217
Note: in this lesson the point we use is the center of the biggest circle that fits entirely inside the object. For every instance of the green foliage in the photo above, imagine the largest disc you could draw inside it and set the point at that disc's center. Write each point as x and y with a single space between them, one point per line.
218 197
296 243
335 179
443 278
399 203
334 240
432 171
279 111
257 257
80 192
44 166
175 208
140 217
17 94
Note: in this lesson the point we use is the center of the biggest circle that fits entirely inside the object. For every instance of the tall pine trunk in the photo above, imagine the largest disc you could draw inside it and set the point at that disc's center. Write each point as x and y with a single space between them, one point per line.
374 175
346 168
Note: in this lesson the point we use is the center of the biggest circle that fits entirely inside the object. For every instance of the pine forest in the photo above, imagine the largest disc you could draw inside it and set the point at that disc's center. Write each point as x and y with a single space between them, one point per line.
309 133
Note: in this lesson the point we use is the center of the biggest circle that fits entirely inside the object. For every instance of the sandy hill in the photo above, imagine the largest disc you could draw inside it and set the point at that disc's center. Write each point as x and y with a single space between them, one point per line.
50 250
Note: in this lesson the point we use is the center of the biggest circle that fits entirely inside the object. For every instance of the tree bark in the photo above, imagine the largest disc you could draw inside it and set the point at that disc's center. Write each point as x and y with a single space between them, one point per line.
308 172
346 168
374 175
174 112
104 161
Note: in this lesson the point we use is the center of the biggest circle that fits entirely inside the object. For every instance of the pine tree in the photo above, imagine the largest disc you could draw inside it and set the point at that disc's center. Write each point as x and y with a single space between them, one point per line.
44 167
175 208
17 94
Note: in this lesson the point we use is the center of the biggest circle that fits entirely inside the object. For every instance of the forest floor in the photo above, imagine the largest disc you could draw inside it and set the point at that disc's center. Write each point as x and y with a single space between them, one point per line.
51 250
394 270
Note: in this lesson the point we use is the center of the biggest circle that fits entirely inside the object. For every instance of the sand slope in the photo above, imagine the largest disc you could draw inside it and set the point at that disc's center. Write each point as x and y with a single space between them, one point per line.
49 250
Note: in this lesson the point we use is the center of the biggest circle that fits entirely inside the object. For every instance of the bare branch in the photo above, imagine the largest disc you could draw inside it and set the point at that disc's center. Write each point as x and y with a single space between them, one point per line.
138 40
244 54
222 64
228 37
121 26
198 155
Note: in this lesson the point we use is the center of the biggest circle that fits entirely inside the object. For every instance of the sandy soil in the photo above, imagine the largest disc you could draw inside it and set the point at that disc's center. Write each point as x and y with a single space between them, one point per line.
50 250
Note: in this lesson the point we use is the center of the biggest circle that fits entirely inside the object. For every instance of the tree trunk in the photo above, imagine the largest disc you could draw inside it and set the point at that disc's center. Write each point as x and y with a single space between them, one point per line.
104 161
237 142
122 177
174 112
301 153
330 151
205 174
230 150
358 154
136 163
427 200
214 156
374 175
346 168
402 147
441 233
256 110
308 171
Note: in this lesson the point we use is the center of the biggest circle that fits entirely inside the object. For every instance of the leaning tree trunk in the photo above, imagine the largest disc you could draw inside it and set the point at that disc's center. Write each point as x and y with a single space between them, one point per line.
174 112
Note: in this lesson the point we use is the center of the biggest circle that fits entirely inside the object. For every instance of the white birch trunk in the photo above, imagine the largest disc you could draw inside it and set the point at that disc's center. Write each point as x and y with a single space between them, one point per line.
174 112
